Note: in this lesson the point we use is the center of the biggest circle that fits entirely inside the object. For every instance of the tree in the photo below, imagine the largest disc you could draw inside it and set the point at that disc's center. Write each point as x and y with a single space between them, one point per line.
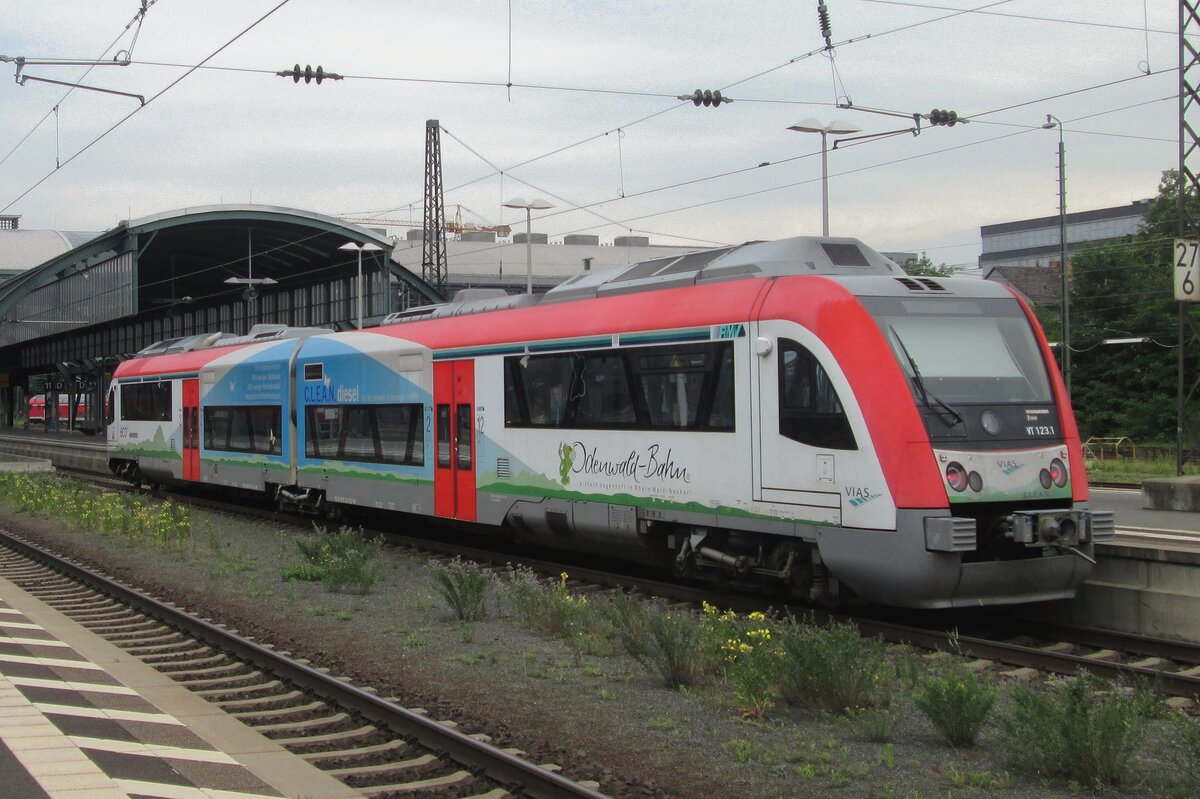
924 266
1124 290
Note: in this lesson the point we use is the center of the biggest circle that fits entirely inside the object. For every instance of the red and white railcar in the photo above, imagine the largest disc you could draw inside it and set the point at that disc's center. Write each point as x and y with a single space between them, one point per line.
798 412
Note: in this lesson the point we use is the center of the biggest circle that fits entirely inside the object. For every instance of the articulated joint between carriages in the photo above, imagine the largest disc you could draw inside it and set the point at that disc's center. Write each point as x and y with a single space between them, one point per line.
300 500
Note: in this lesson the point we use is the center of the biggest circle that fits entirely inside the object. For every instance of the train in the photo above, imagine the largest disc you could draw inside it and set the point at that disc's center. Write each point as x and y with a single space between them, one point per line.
797 416
36 414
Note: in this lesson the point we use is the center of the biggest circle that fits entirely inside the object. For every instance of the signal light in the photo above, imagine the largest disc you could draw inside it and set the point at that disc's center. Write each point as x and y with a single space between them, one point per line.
707 98
956 476
1058 472
1045 479
939 117
309 74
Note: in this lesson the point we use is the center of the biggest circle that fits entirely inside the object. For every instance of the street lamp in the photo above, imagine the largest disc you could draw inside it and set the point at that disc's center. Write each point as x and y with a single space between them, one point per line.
1052 122
369 247
836 127
538 204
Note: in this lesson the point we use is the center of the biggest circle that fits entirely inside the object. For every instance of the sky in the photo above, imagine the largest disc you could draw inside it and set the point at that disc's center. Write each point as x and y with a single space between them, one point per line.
591 122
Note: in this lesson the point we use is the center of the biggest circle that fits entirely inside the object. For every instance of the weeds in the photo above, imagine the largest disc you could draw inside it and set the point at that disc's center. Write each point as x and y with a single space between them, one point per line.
669 645
830 666
1075 731
343 561
753 665
1185 754
549 608
958 702
463 586
165 524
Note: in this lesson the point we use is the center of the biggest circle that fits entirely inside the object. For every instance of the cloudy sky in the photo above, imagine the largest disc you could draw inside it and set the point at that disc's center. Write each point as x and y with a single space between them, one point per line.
590 121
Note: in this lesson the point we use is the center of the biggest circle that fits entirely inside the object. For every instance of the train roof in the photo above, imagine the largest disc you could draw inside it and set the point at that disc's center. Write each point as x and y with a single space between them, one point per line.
800 255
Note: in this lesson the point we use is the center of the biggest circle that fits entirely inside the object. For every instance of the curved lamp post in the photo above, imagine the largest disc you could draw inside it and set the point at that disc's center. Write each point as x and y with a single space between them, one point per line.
369 247
1051 123
536 204
836 127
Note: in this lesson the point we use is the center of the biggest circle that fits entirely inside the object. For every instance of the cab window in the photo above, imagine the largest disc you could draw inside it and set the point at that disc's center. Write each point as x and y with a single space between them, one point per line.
810 410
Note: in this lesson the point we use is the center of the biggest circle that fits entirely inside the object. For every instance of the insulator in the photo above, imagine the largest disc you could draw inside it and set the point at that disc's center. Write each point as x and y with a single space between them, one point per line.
308 73
951 118
296 74
717 99
320 75
697 97
708 99
823 19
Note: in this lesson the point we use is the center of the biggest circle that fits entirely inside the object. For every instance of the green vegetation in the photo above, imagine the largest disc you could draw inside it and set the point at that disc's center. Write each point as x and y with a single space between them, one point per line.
1078 729
1125 290
831 667
957 700
463 587
1133 470
344 561
669 645
134 517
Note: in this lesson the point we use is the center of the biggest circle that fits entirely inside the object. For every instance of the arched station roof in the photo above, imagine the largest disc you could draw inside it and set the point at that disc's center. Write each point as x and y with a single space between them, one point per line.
191 252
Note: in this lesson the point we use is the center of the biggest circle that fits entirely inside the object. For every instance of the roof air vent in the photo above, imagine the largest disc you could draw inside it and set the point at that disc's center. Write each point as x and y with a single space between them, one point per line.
932 284
909 284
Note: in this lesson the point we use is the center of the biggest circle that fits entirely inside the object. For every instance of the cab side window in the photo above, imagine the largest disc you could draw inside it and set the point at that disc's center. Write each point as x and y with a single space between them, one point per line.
810 410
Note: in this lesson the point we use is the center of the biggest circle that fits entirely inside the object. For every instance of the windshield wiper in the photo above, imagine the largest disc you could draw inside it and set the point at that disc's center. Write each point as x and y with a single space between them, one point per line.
920 383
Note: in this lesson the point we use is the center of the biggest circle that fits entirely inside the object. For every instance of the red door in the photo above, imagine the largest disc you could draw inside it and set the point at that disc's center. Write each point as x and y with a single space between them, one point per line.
191 429
454 434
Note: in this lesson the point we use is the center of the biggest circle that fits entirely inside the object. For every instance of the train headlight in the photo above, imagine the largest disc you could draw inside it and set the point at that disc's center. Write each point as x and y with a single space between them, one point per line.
975 481
1045 479
990 422
956 476
1058 473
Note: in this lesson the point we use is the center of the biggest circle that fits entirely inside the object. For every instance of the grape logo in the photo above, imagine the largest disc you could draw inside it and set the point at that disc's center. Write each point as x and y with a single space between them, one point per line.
1009 467
566 459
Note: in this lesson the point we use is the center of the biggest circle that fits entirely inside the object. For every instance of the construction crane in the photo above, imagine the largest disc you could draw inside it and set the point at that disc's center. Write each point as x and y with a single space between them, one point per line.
455 226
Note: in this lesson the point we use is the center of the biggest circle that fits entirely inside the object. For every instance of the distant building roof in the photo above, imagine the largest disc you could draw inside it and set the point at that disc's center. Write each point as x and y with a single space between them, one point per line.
21 250
1038 285
1036 242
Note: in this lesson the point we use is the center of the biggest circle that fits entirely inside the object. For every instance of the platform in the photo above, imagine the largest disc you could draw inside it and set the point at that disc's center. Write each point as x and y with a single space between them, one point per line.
81 719
1172 493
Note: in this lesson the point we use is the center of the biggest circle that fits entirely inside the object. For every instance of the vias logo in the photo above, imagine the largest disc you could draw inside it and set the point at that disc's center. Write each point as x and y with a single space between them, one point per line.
858 497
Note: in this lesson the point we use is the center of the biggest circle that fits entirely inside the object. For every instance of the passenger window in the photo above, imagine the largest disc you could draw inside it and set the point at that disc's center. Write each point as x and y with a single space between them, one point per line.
604 399
443 436
810 410
462 435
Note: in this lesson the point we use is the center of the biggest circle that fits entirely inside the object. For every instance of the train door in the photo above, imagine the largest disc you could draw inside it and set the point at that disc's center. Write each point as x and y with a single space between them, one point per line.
191 429
795 426
454 434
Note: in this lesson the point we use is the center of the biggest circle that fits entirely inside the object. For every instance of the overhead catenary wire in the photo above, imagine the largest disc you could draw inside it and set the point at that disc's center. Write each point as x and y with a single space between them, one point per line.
149 100
54 110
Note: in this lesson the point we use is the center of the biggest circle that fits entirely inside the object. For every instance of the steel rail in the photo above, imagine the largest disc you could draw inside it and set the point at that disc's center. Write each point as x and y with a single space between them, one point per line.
518 775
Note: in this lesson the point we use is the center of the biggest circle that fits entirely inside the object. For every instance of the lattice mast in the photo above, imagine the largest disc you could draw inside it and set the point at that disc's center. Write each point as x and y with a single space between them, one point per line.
1189 226
433 257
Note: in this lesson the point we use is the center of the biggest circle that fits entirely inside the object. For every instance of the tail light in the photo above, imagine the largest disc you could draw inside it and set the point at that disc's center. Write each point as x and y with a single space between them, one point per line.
957 476
1058 473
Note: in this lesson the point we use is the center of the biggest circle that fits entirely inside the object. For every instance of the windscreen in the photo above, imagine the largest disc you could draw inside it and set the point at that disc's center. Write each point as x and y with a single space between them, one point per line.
965 351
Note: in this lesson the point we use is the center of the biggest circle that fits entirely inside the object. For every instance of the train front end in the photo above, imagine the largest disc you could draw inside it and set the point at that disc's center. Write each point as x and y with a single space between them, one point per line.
1011 522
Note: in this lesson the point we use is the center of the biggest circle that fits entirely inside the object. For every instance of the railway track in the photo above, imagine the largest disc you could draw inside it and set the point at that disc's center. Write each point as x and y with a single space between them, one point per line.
1172 666
368 742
